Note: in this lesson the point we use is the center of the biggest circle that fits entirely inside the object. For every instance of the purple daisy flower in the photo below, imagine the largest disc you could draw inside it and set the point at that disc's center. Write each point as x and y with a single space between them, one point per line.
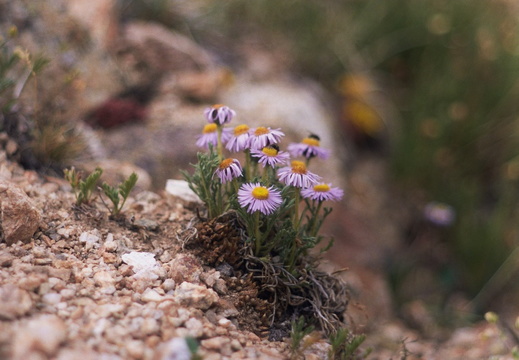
271 156
240 139
323 192
219 114
263 136
439 213
210 136
297 175
308 147
228 170
257 197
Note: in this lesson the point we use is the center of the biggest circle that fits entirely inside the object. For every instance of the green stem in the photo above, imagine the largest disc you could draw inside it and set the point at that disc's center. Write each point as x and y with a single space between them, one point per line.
292 256
257 233
220 144
315 218
254 168
247 165
235 185
265 176
297 199
211 201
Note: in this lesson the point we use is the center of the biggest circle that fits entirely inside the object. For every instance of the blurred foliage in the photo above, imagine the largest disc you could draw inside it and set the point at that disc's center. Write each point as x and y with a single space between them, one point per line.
450 69
34 116
16 67
449 72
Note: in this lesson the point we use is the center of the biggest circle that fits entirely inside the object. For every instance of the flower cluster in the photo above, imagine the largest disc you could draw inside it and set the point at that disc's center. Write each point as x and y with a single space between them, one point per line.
263 183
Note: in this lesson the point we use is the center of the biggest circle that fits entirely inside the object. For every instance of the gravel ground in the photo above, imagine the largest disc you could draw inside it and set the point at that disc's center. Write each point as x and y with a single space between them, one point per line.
87 287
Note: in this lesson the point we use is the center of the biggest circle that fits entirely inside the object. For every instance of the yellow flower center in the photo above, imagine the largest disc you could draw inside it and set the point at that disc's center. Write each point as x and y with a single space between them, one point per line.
322 188
269 151
217 106
261 131
298 167
260 193
209 128
225 164
310 141
240 129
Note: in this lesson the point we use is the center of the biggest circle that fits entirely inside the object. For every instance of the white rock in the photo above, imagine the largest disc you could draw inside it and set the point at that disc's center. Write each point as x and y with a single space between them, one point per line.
110 244
103 279
215 343
86 272
108 290
100 327
210 277
90 239
135 349
180 189
224 322
107 310
144 264
14 302
66 232
175 349
168 284
67 293
51 298
44 333
151 295
199 297
195 327
150 326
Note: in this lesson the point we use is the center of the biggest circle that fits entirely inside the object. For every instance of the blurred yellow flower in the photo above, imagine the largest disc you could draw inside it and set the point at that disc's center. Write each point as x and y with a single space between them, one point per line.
363 117
355 85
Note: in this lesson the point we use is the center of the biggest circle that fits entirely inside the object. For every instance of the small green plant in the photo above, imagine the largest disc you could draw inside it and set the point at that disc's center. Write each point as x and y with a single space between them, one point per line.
83 189
299 330
201 182
16 68
115 194
345 346
193 346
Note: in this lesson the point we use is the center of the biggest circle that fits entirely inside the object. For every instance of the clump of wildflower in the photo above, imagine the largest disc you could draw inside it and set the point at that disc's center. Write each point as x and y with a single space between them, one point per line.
263 136
297 175
271 156
209 136
239 139
256 197
219 114
228 170
322 192
309 147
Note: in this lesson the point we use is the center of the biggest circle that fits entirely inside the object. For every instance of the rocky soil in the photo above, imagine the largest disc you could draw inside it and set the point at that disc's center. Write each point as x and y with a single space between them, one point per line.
84 286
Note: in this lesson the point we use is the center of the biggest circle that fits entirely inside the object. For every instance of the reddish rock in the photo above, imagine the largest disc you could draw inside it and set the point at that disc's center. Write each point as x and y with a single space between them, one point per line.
19 216
114 112
185 267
